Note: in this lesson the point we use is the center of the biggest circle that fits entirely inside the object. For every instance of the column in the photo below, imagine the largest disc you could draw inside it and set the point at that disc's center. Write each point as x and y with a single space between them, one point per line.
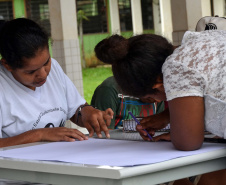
137 17
219 8
173 19
114 17
65 48
157 17
196 9
166 18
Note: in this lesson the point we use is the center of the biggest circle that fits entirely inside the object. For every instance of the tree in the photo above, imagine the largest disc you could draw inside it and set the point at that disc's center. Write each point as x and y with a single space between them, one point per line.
80 17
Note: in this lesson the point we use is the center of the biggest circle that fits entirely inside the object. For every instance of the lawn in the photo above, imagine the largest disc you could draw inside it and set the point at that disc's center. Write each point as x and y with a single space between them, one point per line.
92 77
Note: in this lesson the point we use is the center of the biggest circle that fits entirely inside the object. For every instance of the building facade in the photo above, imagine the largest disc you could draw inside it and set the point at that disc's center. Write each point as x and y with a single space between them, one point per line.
170 18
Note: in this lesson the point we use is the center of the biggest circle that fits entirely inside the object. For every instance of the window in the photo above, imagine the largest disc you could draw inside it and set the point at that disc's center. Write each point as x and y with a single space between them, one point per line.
125 15
95 11
147 14
6 10
38 11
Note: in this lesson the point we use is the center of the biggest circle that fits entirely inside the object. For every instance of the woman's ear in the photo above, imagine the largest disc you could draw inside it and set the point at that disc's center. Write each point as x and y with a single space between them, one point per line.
6 65
159 82
157 85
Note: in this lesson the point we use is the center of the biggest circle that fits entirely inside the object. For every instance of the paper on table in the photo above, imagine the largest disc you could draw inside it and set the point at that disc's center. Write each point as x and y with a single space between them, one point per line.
105 152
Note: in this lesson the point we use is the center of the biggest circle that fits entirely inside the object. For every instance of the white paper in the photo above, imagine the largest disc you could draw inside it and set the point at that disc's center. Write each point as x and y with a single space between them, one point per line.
106 152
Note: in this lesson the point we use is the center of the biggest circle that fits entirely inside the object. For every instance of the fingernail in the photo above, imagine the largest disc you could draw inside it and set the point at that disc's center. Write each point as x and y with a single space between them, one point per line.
99 135
139 126
108 136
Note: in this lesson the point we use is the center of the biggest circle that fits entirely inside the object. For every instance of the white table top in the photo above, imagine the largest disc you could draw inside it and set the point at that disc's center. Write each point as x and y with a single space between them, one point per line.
68 173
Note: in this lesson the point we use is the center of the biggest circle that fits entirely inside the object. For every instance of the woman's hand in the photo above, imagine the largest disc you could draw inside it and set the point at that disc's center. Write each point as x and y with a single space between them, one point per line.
153 123
144 134
162 137
96 121
61 134
157 121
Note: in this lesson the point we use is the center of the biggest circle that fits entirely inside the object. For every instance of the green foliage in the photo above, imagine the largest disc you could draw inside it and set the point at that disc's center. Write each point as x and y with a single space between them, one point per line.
81 15
92 77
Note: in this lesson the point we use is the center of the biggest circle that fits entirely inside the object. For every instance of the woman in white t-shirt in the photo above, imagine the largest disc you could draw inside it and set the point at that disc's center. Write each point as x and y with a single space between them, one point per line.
192 78
36 97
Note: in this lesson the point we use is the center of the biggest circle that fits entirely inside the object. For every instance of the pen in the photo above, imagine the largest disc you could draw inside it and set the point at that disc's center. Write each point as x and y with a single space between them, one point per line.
139 124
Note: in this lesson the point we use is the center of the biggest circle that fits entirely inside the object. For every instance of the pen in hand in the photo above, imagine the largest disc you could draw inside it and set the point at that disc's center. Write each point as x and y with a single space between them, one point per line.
139 124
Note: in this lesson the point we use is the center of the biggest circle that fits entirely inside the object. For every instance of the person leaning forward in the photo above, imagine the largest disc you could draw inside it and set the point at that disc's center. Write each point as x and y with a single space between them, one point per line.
190 77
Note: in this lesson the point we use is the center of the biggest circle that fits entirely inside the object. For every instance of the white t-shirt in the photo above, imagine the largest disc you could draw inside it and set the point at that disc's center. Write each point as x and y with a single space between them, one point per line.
22 109
198 68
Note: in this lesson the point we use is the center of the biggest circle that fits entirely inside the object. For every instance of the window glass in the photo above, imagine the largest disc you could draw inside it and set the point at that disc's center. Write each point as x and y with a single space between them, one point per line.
125 15
95 11
6 10
147 14
38 11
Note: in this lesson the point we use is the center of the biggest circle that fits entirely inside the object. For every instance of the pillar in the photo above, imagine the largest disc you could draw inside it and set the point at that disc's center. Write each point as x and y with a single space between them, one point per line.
137 17
64 33
219 8
173 19
196 9
157 17
114 17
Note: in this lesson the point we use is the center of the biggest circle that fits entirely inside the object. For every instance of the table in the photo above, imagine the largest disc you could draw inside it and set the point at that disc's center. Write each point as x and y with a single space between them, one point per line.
60 173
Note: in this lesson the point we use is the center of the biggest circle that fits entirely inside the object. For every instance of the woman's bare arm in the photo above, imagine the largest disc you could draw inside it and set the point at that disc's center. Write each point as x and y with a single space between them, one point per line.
44 134
187 122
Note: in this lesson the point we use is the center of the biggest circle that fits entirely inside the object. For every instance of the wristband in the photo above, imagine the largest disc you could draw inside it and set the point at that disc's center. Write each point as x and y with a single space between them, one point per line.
80 111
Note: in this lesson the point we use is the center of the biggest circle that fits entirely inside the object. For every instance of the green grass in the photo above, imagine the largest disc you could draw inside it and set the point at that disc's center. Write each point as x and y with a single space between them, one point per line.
92 77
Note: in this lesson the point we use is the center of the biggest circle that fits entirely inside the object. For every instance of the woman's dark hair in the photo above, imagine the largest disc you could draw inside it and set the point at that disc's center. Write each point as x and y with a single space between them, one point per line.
19 39
136 62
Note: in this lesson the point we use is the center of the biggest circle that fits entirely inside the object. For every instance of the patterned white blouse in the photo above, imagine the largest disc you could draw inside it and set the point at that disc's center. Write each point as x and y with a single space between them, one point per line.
198 68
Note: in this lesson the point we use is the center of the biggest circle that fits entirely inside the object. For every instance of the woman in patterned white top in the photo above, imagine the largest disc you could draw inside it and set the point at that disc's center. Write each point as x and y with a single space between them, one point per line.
192 78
